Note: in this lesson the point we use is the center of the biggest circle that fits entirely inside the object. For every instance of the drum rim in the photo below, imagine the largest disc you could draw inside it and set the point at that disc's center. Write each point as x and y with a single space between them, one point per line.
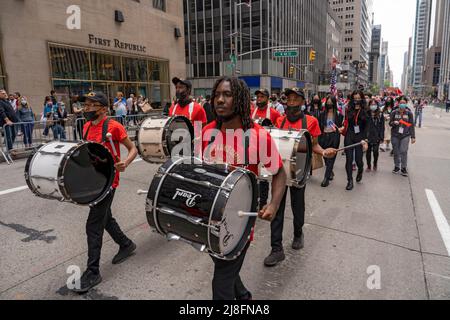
62 169
220 202
28 178
138 144
165 143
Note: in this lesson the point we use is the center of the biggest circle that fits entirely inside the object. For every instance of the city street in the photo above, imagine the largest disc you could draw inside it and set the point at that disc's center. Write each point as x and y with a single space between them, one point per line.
389 224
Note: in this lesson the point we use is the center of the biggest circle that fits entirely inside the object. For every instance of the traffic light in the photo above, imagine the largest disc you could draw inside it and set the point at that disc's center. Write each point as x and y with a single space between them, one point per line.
291 70
312 55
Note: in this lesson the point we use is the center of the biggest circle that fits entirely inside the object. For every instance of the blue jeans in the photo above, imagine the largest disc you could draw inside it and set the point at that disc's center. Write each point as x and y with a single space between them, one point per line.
419 116
27 129
58 132
10 136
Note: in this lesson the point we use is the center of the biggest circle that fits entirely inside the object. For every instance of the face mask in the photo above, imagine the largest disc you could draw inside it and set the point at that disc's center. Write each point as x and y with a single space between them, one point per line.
373 108
261 105
91 116
316 102
403 106
24 102
293 114
183 99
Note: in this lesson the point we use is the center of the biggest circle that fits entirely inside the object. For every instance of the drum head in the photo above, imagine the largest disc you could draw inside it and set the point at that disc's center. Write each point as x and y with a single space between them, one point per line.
180 133
234 227
88 173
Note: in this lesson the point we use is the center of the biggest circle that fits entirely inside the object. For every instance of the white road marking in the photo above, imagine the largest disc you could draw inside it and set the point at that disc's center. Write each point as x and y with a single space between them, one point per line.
2 193
439 216
18 189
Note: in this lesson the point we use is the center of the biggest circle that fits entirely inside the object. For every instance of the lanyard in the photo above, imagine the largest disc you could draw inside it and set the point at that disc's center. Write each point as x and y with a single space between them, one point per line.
357 117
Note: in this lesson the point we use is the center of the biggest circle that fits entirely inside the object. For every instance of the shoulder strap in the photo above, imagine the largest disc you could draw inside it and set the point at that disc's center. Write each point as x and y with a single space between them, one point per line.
105 129
268 114
246 149
283 123
254 113
87 132
174 110
304 122
191 110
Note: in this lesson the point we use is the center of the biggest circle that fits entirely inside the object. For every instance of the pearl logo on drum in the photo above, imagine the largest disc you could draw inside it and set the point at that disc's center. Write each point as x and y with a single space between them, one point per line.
190 196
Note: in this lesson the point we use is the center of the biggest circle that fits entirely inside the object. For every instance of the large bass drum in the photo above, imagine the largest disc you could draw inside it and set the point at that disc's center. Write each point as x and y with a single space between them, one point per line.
199 204
81 173
295 148
159 135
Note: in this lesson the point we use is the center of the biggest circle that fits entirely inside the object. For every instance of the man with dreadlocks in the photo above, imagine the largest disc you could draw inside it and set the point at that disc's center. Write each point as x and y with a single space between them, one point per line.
231 105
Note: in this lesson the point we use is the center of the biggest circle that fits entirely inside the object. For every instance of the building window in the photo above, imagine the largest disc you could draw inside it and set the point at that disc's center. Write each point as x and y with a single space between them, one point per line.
159 4
76 71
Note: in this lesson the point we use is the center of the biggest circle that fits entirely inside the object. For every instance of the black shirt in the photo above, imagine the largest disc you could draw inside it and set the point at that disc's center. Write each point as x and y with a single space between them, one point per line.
7 111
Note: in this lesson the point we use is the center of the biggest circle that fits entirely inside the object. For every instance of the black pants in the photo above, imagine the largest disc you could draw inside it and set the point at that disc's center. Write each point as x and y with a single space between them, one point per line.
227 284
358 153
375 149
101 219
263 193
329 140
298 210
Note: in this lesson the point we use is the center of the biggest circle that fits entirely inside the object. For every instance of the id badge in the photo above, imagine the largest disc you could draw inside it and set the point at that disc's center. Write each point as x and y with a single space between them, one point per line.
401 130
357 131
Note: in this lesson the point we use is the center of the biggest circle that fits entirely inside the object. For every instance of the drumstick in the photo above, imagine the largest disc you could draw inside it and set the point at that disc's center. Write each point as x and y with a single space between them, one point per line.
243 214
109 136
351 146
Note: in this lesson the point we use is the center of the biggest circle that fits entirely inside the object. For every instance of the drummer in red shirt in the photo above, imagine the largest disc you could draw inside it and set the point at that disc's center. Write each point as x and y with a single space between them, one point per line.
295 119
231 104
100 216
185 106
263 110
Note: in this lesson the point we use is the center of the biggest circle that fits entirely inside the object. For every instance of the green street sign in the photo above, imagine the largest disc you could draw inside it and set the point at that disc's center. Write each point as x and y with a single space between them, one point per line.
286 54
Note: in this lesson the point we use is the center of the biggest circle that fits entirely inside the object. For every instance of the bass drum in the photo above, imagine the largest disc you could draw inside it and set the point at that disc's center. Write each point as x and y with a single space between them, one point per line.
295 148
158 136
199 204
80 173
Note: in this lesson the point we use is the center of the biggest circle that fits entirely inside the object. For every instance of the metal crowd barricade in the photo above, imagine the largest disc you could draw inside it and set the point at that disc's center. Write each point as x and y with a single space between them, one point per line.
45 131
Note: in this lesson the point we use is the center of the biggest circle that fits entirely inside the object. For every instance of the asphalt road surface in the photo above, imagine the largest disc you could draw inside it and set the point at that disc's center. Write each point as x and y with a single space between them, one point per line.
388 239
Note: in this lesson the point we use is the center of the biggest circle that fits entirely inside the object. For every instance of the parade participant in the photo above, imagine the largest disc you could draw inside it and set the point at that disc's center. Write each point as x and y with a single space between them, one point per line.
231 104
276 104
263 110
295 119
316 107
330 121
100 216
387 110
419 113
403 132
185 106
375 135
355 131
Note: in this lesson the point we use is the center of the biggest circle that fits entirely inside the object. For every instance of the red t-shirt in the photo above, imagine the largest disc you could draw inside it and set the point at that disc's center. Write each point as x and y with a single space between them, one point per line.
257 113
119 134
312 123
223 150
198 113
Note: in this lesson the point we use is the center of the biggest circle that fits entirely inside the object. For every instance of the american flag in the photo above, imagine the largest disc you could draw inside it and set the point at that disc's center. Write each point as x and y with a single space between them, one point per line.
333 80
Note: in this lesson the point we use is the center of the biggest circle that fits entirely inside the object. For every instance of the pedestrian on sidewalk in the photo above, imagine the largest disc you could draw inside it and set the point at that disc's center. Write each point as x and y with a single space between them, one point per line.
376 135
27 119
419 113
447 105
403 132
8 118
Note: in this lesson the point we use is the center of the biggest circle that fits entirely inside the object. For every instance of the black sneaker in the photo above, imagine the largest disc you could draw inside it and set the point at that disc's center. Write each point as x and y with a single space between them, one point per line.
405 172
332 176
247 297
396 171
124 253
88 281
274 258
325 183
298 243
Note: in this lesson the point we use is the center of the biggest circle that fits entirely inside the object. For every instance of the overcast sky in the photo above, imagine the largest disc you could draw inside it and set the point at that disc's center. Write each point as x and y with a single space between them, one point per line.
397 18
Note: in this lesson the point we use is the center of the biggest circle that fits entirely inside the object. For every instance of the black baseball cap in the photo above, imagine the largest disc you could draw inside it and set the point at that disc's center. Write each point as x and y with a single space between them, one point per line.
263 91
296 91
95 96
187 83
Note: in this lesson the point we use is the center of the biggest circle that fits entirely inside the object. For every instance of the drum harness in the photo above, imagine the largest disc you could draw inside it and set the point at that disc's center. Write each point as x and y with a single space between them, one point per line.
267 114
304 123
191 110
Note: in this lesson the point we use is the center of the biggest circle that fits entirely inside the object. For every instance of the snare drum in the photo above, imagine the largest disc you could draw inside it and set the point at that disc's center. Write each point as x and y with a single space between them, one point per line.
198 203
295 148
81 173
155 139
